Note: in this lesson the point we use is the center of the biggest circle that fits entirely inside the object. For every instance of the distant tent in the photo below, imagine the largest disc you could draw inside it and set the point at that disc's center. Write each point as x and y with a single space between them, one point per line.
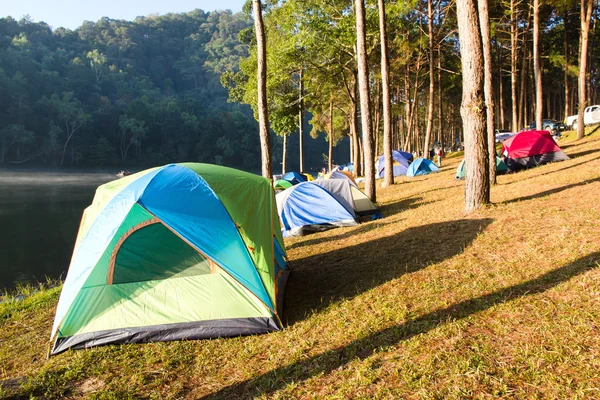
531 148
421 166
401 161
307 207
348 167
183 251
350 196
341 175
294 178
308 176
501 168
282 184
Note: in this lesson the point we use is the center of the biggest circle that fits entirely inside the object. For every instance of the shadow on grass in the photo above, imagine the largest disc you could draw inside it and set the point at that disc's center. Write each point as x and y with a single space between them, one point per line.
387 210
552 191
347 233
393 207
408 203
321 279
330 360
583 153
573 165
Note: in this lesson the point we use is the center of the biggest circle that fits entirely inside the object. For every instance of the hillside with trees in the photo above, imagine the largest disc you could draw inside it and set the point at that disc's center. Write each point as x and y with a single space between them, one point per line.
127 94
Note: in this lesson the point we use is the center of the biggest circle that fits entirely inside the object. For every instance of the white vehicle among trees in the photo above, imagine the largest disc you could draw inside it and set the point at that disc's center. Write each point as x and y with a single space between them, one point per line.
591 116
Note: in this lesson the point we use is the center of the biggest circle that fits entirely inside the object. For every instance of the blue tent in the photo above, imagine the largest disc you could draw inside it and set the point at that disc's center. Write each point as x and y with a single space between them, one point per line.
307 207
421 166
347 167
400 164
294 178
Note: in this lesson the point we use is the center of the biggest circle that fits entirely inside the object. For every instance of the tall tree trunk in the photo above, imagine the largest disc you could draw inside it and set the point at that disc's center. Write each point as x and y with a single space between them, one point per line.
567 96
407 109
331 135
537 68
440 135
477 188
263 112
376 121
284 155
363 84
301 118
484 22
523 103
427 145
500 89
586 14
513 65
356 156
355 140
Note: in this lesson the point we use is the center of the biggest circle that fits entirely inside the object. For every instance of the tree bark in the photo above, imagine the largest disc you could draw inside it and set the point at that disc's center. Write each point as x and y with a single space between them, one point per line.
331 137
513 65
440 135
537 68
363 84
477 188
567 103
484 22
524 77
356 160
429 128
284 155
500 89
301 119
586 13
263 112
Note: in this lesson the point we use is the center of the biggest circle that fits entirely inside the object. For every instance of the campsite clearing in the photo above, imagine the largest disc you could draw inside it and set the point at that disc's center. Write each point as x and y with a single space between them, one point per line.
424 303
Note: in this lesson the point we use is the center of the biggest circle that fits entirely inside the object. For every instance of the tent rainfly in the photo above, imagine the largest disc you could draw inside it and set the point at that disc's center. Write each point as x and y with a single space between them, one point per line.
421 166
349 196
341 175
531 148
307 207
401 161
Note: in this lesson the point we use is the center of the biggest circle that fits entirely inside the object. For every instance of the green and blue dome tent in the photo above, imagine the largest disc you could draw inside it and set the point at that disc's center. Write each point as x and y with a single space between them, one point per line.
421 166
183 251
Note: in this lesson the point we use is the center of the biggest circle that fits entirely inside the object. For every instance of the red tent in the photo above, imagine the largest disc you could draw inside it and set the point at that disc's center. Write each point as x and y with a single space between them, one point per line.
528 144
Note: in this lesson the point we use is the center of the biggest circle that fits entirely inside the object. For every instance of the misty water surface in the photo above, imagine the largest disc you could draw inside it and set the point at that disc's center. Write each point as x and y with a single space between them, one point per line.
39 218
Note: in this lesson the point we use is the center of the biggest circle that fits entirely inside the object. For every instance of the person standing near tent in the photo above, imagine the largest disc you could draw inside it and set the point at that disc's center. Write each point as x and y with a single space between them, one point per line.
440 154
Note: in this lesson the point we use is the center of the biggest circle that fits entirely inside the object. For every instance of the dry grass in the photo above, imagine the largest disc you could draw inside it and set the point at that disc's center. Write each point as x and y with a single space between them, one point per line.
425 303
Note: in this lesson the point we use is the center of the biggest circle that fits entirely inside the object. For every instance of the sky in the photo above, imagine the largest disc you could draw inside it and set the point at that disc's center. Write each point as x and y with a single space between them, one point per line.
71 13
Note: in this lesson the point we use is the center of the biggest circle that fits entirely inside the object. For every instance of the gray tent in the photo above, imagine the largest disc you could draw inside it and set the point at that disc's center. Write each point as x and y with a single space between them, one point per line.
348 195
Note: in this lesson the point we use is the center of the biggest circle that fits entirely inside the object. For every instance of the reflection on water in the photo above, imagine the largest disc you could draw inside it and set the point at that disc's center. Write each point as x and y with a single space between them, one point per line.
39 219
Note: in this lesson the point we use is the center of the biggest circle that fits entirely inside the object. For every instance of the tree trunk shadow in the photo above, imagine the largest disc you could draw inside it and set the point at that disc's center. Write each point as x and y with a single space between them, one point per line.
330 360
320 279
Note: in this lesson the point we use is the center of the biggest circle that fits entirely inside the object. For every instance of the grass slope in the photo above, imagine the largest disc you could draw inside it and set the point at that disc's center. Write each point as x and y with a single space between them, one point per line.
425 303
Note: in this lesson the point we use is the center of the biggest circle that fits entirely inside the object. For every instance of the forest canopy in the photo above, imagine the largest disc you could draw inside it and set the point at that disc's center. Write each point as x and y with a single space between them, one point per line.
127 94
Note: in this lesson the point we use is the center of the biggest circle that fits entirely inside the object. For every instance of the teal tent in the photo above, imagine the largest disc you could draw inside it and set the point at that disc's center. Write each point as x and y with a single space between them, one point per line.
501 168
421 166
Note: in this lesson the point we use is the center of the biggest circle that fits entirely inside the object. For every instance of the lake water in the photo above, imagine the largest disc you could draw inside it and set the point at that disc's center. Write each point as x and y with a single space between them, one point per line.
39 218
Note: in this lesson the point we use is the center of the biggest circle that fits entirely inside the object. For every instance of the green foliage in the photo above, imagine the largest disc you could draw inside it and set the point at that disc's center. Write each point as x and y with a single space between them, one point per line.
119 93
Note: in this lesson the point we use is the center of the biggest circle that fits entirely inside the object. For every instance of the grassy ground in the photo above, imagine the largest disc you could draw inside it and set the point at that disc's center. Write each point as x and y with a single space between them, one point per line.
425 303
